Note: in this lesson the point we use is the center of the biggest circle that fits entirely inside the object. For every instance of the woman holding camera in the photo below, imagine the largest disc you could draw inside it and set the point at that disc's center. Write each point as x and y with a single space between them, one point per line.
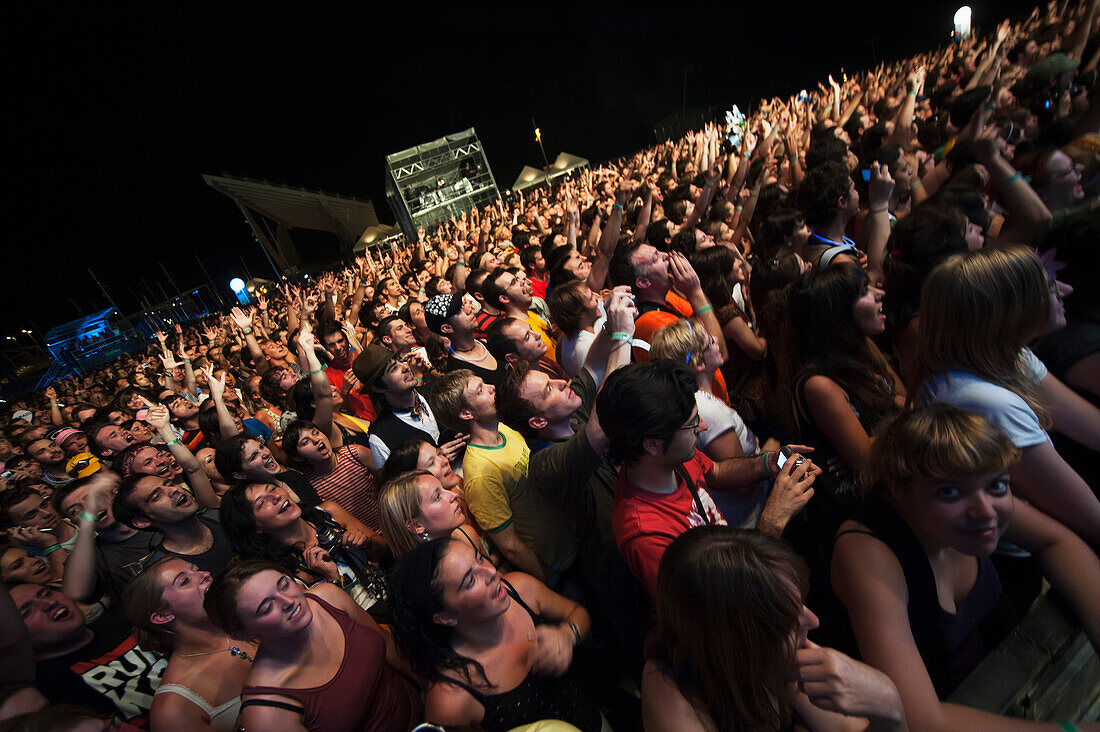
323 544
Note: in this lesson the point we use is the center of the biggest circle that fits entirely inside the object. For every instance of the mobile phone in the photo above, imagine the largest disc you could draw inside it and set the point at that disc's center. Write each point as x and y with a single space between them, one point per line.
866 175
423 353
786 453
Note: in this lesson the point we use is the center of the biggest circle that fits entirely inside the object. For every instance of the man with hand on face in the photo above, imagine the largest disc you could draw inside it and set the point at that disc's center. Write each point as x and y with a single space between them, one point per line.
33 522
107 554
153 502
404 414
335 338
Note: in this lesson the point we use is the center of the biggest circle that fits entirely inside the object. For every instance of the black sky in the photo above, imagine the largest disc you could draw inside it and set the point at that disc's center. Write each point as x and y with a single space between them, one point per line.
117 111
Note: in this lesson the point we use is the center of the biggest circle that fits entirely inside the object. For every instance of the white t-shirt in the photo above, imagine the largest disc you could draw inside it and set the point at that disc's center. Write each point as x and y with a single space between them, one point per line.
720 418
574 351
741 508
1002 407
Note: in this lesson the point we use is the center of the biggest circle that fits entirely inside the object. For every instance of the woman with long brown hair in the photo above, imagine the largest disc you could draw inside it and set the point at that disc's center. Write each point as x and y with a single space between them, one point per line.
841 384
201 687
731 637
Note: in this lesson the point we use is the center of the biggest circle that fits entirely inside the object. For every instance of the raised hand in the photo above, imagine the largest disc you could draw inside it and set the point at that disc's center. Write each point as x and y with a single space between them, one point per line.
240 318
881 186
626 187
216 386
987 145
684 277
621 310
454 447
158 415
101 489
305 337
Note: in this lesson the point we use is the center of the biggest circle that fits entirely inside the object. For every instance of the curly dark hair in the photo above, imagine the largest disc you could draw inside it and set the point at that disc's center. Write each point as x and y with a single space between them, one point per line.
245 536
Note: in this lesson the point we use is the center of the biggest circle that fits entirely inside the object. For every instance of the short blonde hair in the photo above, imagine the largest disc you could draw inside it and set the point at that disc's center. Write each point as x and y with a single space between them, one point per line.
937 441
682 341
448 398
398 504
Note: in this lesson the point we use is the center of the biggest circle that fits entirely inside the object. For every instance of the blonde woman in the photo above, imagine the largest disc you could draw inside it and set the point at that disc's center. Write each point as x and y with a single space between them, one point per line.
416 508
913 568
978 311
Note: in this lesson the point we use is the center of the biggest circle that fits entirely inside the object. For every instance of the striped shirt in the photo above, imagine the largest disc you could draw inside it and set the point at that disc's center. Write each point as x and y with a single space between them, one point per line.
352 486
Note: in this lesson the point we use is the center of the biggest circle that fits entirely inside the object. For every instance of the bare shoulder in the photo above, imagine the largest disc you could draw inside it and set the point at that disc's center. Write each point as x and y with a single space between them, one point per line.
859 558
171 711
449 704
664 706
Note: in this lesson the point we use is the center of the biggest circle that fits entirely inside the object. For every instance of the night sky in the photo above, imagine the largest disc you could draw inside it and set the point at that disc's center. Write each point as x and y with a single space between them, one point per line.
119 110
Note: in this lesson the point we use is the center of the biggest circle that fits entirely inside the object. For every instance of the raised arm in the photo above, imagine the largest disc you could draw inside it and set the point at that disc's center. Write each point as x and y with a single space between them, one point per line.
645 214
876 227
243 321
55 410
319 385
158 417
79 581
610 237
226 426
188 371
265 317
686 281
1028 217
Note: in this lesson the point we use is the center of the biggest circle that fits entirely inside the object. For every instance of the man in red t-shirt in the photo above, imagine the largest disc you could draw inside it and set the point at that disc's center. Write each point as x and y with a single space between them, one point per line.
334 339
649 414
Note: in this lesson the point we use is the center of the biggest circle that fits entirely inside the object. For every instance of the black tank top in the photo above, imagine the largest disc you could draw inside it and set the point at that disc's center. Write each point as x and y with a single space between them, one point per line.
537 697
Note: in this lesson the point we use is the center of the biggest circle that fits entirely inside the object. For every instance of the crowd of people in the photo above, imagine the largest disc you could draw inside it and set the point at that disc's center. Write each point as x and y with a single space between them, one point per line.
774 426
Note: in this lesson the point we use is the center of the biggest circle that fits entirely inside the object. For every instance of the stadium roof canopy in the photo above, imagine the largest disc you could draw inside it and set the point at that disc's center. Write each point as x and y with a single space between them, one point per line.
295 208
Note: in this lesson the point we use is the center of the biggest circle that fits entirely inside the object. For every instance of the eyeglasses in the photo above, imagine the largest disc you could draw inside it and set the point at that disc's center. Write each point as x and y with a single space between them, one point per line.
692 425
1052 288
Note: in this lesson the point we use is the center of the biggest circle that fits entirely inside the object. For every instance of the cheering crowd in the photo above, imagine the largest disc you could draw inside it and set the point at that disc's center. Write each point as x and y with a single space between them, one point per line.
770 426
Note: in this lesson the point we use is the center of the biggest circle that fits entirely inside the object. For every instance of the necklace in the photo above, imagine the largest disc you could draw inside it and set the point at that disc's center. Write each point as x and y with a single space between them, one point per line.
482 357
414 410
233 651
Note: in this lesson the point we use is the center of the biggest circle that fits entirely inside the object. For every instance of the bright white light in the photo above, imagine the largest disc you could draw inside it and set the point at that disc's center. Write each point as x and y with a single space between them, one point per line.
236 284
962 22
